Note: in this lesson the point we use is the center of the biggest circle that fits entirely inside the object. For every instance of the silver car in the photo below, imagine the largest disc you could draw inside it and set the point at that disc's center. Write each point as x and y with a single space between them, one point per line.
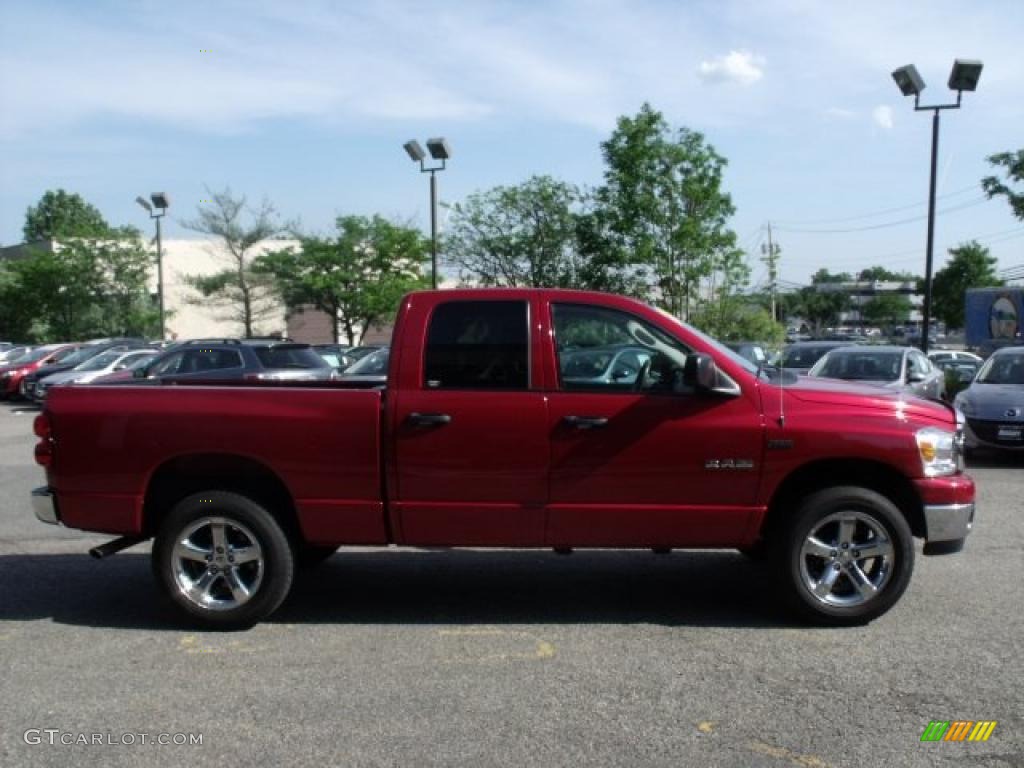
902 368
994 402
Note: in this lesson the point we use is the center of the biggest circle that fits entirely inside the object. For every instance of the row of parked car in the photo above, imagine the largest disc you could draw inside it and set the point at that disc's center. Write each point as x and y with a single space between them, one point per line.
28 372
989 393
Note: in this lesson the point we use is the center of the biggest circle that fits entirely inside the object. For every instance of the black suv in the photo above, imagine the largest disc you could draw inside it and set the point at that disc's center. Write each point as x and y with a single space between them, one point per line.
234 360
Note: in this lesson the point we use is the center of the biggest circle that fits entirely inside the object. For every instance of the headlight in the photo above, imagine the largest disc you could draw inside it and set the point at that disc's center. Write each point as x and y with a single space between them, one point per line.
941 451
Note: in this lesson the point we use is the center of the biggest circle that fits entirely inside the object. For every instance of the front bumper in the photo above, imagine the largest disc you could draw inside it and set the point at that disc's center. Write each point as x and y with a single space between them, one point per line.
980 433
44 504
948 522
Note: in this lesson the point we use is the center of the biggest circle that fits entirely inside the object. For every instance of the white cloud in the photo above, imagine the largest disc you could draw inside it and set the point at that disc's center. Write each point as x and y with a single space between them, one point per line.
741 67
882 115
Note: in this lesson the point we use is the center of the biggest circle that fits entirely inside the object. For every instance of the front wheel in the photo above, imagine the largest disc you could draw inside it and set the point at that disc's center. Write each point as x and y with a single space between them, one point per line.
846 557
223 559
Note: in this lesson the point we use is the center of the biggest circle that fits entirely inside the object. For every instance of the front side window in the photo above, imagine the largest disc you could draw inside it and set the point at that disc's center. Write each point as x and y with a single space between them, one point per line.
478 345
605 350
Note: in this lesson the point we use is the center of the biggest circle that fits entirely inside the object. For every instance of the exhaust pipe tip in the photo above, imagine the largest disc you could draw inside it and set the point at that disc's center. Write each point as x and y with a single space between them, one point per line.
115 546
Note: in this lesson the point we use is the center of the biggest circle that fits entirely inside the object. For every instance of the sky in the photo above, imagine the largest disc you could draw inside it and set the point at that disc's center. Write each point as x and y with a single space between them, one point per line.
308 103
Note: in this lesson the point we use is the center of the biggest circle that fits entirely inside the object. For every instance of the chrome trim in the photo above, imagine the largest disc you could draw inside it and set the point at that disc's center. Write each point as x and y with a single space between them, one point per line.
948 522
44 504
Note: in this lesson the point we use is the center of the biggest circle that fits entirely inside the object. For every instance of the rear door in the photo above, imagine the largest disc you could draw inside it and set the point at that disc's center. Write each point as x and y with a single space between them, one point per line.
470 423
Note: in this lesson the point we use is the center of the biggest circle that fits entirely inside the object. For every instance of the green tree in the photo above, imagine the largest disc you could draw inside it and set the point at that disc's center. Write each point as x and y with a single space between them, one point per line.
241 294
60 214
881 274
357 277
971 266
1013 165
819 307
517 236
887 309
824 276
87 287
664 208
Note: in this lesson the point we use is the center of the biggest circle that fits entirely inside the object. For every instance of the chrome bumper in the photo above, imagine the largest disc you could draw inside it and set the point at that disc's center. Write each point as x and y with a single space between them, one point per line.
948 522
44 504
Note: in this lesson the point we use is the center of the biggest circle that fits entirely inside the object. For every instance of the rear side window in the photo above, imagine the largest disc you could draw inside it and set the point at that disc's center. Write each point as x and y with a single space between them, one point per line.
199 360
289 356
478 345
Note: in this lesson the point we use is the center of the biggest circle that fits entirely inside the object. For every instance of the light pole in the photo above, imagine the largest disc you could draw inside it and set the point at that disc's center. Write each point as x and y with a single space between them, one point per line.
439 150
963 77
161 202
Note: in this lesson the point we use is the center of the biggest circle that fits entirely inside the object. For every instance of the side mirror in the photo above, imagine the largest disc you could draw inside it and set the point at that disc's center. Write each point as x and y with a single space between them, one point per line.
139 373
915 377
700 373
120 367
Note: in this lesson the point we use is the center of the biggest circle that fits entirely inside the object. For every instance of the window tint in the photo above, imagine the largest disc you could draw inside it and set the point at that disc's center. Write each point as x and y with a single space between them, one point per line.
478 345
168 365
605 350
200 360
290 356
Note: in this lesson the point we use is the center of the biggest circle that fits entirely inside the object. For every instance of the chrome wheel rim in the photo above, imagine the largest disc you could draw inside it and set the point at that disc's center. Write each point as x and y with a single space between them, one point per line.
218 564
847 559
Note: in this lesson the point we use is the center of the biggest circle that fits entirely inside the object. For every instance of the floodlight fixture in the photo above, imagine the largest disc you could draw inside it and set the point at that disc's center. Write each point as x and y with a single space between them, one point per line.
416 153
909 80
144 203
160 200
965 75
439 149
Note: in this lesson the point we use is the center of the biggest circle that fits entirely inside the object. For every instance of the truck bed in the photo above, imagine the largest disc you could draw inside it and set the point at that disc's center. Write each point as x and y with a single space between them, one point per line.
323 442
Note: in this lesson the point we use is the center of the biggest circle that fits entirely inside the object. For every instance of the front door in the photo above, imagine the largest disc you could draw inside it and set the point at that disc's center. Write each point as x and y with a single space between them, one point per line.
471 447
633 462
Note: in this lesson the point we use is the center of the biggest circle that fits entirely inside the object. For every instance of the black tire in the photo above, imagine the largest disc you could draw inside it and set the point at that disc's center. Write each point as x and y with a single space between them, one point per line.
868 522
216 593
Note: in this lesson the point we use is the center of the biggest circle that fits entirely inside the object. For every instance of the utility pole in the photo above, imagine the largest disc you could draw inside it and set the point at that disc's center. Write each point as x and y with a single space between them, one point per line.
771 255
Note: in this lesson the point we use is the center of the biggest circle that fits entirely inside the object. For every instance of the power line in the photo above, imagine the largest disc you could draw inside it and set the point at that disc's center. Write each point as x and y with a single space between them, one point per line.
886 225
881 212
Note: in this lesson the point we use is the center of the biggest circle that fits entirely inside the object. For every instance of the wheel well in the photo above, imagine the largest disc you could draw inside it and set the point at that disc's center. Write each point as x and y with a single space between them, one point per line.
185 475
829 473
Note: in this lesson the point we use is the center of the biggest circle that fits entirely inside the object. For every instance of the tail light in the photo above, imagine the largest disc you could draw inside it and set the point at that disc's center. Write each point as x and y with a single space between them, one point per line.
44 448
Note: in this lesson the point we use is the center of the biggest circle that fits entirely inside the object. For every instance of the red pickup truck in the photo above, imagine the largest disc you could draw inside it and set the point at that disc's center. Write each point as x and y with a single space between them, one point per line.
515 418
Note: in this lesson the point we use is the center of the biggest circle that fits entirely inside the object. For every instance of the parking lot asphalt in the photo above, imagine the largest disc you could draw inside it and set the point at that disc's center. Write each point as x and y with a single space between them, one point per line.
424 658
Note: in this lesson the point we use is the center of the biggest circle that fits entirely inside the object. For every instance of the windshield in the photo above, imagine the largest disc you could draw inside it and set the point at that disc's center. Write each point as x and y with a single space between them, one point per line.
35 355
141 362
860 366
1003 369
99 361
76 356
373 364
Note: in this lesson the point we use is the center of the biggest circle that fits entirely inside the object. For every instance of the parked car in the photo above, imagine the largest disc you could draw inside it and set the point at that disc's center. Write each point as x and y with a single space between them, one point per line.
902 368
127 373
959 374
334 354
11 376
372 369
355 354
112 360
940 355
86 351
754 351
227 361
801 356
994 402
8 356
478 442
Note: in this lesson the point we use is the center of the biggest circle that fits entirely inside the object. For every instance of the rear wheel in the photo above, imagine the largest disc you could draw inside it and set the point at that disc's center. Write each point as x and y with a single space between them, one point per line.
846 557
223 559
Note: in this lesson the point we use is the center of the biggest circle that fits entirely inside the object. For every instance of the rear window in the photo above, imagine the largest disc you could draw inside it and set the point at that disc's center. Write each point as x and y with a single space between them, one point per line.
290 356
478 345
